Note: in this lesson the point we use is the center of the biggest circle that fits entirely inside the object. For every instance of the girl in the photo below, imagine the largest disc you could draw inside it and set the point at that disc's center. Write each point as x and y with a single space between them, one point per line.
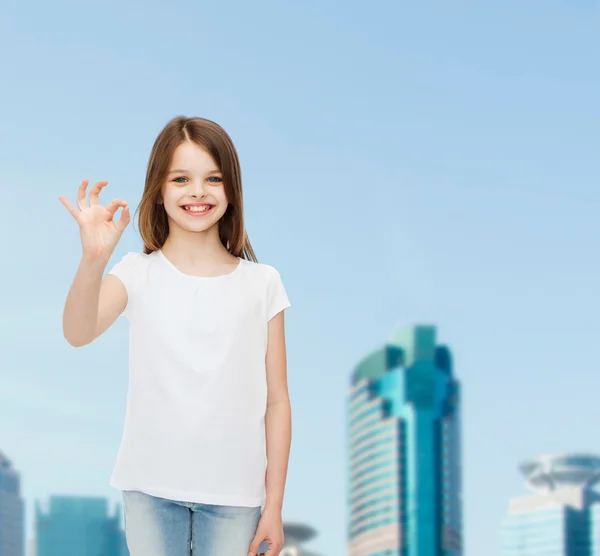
208 402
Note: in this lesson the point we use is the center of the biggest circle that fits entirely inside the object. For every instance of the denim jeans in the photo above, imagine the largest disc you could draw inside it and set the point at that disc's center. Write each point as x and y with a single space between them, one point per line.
158 527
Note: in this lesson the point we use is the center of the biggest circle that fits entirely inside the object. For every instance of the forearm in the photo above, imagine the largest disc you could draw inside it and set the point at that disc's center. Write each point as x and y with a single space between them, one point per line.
80 314
278 422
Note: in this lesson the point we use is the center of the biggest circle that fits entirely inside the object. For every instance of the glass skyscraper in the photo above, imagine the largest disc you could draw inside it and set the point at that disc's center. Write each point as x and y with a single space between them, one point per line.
404 473
12 511
561 517
78 526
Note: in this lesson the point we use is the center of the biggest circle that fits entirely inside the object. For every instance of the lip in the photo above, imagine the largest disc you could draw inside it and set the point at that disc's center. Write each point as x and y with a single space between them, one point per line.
196 214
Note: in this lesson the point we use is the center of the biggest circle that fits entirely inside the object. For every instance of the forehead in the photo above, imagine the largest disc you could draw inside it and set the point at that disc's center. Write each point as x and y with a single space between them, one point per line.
193 157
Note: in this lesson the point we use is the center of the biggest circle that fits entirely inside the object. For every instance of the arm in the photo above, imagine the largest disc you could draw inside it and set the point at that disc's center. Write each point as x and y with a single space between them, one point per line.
278 418
278 423
93 304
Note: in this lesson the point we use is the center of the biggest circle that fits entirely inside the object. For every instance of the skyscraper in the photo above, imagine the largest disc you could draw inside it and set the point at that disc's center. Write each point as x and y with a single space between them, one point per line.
78 526
561 517
404 476
12 511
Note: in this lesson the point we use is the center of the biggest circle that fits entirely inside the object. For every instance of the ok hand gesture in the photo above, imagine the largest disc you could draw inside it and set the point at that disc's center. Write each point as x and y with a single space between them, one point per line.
99 233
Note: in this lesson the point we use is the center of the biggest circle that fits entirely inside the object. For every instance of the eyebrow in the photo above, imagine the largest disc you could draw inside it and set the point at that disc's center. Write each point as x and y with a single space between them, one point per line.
179 171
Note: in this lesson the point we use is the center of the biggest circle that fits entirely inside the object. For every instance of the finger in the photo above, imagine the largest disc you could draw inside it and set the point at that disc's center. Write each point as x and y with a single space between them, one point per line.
114 205
81 203
274 548
255 545
122 222
74 212
95 192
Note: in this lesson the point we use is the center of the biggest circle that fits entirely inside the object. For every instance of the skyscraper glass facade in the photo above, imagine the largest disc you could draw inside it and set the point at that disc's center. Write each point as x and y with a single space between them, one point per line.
562 516
404 475
78 526
12 513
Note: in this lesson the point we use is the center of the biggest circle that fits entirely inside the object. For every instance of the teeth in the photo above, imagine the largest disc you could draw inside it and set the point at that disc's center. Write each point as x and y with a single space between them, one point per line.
202 208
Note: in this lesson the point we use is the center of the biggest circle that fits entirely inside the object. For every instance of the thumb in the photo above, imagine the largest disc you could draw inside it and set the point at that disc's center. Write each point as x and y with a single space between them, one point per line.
122 222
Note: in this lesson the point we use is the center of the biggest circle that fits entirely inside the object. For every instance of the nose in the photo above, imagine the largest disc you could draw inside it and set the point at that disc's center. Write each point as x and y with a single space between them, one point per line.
197 189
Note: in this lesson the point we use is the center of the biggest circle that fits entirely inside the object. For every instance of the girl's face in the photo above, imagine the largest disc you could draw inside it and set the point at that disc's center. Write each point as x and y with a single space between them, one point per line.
193 193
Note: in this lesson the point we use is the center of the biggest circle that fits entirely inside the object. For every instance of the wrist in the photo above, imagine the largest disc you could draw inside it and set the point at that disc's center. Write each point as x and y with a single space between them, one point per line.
93 265
94 261
273 506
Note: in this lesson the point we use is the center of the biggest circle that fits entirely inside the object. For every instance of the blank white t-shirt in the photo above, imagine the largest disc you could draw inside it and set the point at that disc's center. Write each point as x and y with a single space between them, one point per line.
194 426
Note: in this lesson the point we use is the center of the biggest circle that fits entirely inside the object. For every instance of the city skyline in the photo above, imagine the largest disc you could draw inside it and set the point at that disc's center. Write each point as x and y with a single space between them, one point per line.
560 515
76 525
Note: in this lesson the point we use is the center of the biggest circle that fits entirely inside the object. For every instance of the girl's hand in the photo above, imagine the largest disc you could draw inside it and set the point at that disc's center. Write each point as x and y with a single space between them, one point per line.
270 529
99 234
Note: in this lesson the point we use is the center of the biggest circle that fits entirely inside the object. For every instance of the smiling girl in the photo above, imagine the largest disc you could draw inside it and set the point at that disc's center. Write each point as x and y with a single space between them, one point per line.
204 454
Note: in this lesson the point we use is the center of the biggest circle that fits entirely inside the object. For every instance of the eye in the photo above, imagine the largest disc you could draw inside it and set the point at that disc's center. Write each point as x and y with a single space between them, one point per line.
216 178
179 178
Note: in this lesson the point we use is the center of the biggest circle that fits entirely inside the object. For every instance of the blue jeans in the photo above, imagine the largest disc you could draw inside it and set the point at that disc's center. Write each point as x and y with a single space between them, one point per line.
158 527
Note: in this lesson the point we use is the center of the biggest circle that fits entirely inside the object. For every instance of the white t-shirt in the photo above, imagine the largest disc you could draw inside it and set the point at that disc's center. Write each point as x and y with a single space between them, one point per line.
194 426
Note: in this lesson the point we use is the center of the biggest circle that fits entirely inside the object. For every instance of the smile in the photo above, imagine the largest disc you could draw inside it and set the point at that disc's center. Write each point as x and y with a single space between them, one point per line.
197 210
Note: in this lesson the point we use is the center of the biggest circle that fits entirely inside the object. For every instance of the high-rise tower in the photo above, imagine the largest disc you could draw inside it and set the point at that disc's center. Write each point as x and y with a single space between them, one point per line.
561 517
404 483
12 511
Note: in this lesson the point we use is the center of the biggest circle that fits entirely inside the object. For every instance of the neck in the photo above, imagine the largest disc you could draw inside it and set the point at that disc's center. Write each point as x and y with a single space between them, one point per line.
196 246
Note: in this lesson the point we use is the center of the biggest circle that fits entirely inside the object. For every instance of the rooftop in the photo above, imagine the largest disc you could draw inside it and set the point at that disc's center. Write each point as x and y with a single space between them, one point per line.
298 532
553 472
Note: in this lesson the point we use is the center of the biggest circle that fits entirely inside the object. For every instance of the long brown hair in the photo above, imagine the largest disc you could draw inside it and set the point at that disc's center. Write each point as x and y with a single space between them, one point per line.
153 223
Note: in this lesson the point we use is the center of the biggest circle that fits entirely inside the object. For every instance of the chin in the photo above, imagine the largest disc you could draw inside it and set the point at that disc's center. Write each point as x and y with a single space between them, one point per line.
199 227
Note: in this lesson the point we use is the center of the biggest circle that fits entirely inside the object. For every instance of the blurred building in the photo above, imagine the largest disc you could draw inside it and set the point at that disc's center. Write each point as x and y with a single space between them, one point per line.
296 535
12 511
404 476
124 549
561 517
78 526
31 547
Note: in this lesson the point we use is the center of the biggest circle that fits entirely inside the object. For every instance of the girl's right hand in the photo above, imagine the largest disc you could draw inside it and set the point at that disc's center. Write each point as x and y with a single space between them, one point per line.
99 233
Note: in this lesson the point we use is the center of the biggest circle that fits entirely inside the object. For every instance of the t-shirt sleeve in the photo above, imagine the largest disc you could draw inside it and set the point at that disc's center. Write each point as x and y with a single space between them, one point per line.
277 299
127 270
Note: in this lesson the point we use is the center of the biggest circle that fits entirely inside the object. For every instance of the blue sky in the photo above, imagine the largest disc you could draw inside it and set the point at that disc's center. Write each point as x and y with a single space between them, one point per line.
427 162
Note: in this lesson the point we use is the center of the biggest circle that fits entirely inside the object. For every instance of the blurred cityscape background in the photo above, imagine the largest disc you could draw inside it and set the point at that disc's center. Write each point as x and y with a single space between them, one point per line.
404 477
424 176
